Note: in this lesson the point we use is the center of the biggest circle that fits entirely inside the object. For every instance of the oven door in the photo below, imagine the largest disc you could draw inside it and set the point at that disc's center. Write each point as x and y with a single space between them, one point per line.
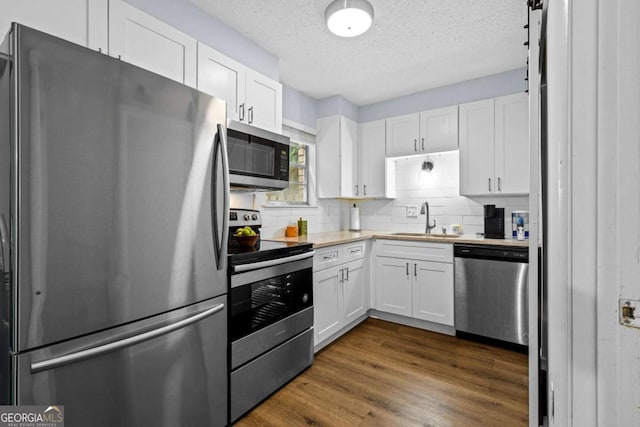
269 306
258 159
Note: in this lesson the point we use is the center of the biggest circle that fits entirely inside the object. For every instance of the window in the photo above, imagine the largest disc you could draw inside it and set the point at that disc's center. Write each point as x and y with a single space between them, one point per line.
299 160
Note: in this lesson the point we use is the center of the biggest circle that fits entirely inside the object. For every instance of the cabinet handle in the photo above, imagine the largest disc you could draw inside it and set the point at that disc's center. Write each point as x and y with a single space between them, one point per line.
422 144
332 256
356 189
241 112
415 145
355 251
415 270
489 184
407 269
251 114
347 270
499 184
341 275
365 189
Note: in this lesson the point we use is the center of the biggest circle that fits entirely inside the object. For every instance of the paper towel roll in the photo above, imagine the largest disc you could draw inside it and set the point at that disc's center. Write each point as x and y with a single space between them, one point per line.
355 219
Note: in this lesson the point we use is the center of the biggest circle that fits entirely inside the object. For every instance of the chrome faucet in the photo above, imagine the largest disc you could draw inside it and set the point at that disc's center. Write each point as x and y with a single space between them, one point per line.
425 209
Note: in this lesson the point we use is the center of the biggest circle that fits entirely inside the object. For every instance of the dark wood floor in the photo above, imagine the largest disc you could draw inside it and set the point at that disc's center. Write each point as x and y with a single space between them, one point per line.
383 374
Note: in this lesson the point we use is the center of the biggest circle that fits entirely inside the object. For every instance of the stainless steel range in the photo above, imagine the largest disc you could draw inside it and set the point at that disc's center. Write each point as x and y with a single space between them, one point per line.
271 317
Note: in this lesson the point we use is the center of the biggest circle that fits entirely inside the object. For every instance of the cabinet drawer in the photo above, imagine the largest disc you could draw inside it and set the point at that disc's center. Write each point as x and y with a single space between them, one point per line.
354 251
422 251
327 257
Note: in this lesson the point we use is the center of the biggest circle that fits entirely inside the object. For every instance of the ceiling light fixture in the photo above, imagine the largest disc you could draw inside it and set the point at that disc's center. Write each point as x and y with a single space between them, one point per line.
349 18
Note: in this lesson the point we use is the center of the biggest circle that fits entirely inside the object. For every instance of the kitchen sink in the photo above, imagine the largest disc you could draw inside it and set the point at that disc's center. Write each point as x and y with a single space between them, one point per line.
437 235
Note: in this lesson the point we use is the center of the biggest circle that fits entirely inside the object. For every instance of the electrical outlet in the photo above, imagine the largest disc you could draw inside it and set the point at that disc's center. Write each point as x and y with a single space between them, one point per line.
412 211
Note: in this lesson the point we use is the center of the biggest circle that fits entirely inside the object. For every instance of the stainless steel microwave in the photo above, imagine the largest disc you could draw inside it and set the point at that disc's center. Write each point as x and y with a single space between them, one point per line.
258 159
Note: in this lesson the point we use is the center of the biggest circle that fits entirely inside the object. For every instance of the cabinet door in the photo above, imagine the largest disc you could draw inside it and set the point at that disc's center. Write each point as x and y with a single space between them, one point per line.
335 165
402 135
327 152
353 291
147 42
433 291
476 148
439 130
224 78
393 285
327 311
512 144
348 163
263 101
83 22
372 159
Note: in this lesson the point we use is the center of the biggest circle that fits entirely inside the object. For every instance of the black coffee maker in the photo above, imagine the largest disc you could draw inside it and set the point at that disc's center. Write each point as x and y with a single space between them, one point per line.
493 222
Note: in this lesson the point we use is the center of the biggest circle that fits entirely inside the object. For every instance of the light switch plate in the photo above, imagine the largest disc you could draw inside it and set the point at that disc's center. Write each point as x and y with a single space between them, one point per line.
412 211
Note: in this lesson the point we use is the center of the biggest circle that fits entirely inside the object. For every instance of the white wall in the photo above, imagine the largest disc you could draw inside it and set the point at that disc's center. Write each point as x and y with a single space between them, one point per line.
440 188
328 215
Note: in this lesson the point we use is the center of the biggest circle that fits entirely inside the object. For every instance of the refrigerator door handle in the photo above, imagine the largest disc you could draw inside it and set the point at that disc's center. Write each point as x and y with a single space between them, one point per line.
4 245
78 356
221 236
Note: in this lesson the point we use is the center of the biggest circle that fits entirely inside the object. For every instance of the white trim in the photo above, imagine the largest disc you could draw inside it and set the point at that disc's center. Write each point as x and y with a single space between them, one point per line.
557 245
301 127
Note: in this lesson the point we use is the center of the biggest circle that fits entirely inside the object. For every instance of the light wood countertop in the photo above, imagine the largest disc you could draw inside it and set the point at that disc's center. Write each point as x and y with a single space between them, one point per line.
330 238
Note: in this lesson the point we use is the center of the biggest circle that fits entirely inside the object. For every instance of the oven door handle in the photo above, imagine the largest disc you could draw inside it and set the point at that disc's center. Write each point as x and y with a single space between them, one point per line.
262 264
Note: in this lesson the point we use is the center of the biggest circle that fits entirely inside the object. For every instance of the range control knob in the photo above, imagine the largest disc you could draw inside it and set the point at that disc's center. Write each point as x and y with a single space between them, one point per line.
305 298
254 217
247 217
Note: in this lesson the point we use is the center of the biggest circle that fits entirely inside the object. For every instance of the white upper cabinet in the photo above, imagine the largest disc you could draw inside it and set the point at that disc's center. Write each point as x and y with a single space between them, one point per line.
403 133
336 165
512 144
439 129
222 77
83 22
264 101
494 146
251 97
377 174
425 132
477 147
147 42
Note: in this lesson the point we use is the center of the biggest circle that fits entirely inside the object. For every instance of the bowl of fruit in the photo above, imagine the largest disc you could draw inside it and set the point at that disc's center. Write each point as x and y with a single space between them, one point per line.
246 237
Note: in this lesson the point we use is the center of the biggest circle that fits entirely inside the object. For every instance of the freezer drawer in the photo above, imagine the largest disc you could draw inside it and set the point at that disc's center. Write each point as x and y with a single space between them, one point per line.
177 377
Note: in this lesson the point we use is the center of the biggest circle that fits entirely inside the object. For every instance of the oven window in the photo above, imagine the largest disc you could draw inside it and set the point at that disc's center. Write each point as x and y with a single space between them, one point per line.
250 157
260 304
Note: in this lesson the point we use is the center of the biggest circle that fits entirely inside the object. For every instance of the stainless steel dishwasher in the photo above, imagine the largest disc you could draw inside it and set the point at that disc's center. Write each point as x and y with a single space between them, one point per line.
491 291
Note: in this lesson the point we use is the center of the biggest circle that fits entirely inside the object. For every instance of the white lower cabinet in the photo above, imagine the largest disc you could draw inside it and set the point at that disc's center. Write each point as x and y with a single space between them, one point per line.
432 292
393 285
415 279
339 289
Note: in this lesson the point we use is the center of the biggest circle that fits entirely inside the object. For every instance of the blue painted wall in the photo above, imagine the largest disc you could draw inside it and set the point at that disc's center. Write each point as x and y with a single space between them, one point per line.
194 21
298 107
471 90
337 105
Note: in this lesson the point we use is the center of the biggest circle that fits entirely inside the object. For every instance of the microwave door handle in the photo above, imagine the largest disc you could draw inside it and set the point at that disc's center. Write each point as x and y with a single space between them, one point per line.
220 236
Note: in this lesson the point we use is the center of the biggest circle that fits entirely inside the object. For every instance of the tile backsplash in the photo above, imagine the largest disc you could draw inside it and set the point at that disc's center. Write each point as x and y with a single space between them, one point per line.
439 187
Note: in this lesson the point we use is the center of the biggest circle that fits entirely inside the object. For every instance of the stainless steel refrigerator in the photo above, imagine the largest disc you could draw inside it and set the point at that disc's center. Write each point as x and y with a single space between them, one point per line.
113 210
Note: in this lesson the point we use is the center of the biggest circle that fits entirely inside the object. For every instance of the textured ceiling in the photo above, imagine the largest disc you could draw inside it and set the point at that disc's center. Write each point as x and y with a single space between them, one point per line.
412 45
